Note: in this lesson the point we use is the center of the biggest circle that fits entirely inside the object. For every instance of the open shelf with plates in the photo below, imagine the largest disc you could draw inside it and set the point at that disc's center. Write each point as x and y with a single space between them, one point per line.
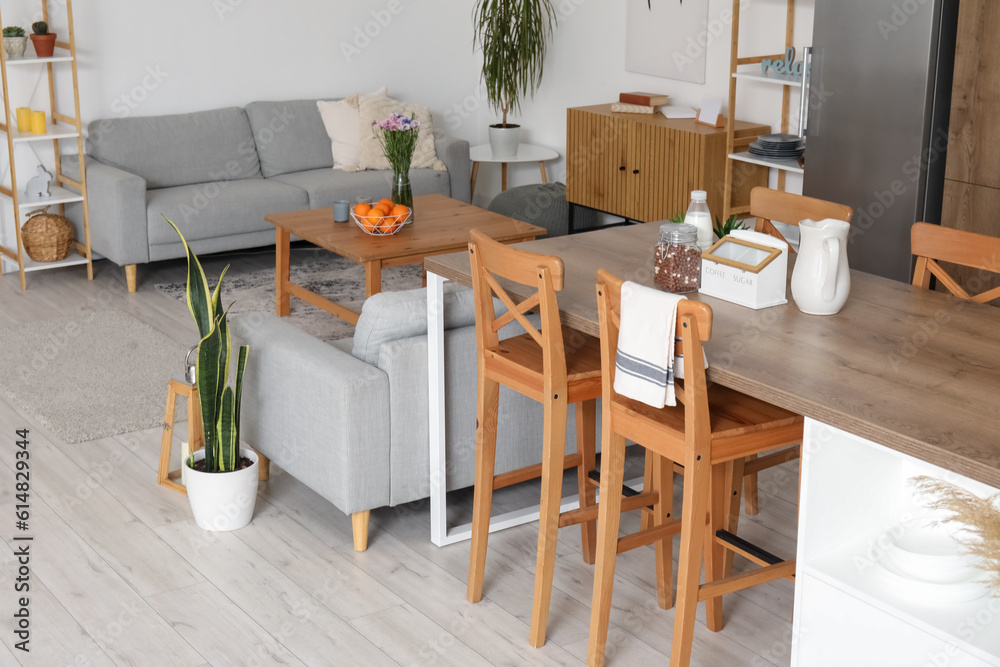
59 126
851 582
748 69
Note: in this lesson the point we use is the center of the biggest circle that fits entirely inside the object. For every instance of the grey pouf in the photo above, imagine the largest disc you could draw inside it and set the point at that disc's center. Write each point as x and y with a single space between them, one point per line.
543 205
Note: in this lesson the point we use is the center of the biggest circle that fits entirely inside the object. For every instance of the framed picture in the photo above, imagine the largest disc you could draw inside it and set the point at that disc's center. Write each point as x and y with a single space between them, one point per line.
667 38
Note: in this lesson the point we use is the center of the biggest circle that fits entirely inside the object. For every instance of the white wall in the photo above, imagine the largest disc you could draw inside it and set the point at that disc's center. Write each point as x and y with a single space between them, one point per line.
144 58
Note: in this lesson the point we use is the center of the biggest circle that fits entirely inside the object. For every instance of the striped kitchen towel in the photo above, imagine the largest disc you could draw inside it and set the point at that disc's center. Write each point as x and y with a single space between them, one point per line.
644 366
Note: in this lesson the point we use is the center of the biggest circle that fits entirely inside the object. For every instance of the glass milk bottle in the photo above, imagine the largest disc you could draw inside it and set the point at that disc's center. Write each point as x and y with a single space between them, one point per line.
699 216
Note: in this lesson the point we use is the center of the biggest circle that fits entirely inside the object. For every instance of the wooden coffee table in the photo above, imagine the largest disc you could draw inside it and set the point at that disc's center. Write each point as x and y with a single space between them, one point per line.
442 227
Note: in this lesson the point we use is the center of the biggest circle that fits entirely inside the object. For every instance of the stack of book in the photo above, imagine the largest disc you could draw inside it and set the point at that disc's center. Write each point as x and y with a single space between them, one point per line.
639 102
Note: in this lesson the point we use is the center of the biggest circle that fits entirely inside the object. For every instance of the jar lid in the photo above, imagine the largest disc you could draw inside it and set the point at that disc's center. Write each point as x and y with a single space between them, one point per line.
678 233
699 195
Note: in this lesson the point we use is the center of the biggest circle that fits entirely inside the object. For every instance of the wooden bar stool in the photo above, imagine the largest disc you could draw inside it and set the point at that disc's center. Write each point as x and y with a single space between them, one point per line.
711 432
164 475
538 365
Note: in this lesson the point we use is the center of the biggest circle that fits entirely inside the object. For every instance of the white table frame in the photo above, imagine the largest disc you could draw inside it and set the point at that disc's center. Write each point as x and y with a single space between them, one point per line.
441 533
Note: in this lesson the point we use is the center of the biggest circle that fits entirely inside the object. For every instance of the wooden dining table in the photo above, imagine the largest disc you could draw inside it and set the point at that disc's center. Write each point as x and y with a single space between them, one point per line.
911 374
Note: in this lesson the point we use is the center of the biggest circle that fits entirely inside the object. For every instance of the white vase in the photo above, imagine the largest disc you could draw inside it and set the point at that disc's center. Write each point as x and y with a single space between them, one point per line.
222 501
821 279
504 141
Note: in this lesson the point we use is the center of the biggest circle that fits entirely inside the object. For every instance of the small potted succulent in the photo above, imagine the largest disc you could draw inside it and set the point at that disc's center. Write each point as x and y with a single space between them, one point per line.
724 229
43 40
14 41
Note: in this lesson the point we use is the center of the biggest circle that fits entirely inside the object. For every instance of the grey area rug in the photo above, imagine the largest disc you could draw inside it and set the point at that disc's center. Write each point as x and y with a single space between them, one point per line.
329 275
93 375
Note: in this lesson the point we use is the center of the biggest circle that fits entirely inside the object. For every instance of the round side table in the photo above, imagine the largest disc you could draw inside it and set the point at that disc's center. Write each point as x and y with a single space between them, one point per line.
525 153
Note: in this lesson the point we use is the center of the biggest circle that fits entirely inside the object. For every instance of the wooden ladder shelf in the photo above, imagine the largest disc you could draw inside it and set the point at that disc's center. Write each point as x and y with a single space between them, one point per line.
60 126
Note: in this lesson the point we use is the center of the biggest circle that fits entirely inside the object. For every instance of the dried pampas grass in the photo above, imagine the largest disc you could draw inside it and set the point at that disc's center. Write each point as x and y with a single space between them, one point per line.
979 518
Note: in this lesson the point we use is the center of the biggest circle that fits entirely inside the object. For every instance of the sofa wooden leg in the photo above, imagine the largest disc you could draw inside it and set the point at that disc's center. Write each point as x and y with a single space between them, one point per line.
130 277
359 520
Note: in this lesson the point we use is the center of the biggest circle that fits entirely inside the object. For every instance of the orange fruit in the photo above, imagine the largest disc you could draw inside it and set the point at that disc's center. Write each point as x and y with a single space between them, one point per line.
381 209
399 212
371 221
386 202
386 225
361 210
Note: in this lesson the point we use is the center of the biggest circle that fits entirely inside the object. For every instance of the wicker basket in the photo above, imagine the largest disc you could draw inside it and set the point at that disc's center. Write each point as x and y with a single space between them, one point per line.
46 237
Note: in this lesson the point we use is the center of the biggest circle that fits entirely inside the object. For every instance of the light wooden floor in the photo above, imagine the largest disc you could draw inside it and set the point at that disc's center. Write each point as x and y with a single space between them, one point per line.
120 575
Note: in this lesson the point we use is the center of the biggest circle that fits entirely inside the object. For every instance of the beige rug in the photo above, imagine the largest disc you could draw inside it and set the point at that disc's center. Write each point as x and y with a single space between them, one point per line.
332 276
90 376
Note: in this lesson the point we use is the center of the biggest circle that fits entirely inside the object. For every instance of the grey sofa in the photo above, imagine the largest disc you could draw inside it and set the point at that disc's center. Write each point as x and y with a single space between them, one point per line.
217 173
349 419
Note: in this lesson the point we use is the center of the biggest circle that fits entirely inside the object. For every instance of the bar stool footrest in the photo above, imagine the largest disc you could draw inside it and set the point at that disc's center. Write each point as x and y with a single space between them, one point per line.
749 549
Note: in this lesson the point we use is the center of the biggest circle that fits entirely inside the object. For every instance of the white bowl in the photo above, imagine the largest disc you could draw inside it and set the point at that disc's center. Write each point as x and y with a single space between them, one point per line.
929 554
930 593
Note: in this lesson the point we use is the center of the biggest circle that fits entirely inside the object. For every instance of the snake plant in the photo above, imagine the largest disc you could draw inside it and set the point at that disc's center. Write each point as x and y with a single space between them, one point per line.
219 402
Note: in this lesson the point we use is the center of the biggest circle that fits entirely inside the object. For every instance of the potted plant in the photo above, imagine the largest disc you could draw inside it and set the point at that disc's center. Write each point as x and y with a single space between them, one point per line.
512 34
43 40
221 477
14 41
724 229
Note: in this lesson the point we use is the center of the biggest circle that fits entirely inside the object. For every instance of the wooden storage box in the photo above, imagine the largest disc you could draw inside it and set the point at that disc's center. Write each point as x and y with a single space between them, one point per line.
746 268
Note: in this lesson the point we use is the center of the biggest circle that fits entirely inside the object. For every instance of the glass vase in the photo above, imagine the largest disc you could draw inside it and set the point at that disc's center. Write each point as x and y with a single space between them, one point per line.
402 193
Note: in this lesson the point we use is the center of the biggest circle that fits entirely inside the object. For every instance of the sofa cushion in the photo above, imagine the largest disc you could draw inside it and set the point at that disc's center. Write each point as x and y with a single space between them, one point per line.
180 149
325 186
340 118
290 136
372 108
210 210
389 316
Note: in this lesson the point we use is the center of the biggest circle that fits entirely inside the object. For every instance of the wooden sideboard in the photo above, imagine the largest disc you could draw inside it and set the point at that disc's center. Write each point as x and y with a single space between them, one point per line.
644 167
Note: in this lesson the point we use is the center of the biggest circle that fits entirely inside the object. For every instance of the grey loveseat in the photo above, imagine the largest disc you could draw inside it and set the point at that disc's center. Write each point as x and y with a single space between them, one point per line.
217 173
349 419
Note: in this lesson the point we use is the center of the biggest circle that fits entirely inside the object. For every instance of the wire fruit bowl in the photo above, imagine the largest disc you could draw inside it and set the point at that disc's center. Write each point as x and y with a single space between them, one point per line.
381 225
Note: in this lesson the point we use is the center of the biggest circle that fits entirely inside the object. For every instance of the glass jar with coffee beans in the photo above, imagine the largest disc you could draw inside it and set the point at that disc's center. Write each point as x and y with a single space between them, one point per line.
677 259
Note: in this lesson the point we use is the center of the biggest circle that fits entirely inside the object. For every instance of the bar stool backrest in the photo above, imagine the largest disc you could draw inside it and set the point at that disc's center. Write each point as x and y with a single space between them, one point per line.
933 243
694 326
776 206
491 260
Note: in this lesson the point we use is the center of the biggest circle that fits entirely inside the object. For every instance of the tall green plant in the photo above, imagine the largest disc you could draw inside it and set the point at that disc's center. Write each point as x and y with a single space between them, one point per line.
219 403
512 34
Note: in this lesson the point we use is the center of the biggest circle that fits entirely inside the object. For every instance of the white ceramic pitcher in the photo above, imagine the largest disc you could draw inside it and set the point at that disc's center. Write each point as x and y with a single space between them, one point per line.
821 280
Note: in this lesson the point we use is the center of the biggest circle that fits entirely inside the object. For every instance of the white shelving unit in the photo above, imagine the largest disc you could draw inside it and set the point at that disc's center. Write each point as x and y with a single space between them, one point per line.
61 127
736 148
847 611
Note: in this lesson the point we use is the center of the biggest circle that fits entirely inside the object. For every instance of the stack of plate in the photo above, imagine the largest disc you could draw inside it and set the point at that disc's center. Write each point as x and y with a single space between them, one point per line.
926 564
788 146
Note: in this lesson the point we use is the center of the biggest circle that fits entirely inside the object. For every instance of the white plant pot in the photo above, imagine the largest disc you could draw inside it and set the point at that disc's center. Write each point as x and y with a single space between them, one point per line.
15 46
223 500
504 141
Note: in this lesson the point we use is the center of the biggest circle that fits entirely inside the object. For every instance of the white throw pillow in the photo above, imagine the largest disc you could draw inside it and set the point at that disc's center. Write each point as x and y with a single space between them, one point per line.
374 108
340 118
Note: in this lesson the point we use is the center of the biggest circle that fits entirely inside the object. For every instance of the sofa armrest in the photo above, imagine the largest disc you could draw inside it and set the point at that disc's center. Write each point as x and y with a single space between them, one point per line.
116 203
454 153
316 411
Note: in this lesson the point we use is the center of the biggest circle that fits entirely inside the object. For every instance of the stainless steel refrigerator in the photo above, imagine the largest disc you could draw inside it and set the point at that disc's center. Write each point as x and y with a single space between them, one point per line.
879 93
